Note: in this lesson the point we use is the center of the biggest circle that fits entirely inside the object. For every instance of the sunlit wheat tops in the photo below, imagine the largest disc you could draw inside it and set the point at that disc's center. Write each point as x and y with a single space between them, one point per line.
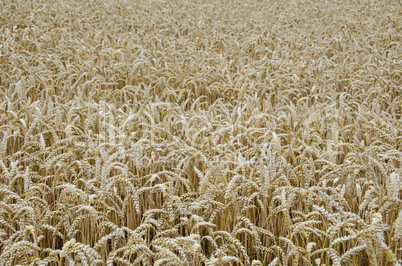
200 132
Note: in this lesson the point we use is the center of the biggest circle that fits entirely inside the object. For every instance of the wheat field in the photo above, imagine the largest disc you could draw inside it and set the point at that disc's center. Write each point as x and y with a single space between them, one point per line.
200 132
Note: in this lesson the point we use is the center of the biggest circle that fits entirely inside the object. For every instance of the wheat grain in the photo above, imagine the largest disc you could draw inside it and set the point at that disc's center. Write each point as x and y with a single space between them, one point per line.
206 132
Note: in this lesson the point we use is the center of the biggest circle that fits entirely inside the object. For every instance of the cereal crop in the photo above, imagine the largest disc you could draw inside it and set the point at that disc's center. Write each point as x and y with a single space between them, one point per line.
200 132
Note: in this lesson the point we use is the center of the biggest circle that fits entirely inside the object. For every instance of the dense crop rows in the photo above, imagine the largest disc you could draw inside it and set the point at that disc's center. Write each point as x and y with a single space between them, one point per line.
200 132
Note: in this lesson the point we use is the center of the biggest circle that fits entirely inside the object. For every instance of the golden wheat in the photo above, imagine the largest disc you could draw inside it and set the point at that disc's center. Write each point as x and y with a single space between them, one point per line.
177 132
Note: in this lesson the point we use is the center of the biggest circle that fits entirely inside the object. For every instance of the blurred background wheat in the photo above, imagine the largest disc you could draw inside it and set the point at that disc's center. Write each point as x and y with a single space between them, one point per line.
200 132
